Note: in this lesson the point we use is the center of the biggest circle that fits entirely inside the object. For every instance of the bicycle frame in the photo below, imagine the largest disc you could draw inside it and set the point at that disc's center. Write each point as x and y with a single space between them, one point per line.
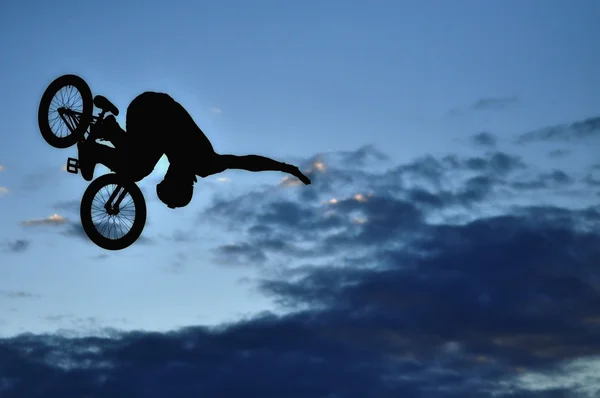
72 117
114 209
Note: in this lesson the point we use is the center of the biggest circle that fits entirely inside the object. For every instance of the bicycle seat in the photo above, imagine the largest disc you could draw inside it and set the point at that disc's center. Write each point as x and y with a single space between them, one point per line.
104 104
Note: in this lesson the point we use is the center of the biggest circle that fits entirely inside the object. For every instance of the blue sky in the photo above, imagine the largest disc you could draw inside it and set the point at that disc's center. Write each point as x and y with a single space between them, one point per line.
436 133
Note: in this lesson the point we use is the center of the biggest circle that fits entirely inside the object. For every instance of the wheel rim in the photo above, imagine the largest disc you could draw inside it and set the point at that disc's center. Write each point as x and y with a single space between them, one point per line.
112 226
67 98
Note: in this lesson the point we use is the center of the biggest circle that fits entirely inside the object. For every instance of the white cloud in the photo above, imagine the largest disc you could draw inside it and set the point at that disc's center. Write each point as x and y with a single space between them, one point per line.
320 166
581 375
290 181
54 219
3 191
1 167
215 110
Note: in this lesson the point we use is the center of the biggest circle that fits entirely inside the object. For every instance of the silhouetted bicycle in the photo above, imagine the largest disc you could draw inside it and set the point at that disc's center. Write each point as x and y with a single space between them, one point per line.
113 210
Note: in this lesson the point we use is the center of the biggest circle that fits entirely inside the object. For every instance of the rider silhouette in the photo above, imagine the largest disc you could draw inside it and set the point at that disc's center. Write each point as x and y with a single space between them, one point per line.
156 124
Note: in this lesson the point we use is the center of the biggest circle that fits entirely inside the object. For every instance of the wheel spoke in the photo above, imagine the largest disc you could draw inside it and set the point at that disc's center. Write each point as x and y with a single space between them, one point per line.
116 226
70 98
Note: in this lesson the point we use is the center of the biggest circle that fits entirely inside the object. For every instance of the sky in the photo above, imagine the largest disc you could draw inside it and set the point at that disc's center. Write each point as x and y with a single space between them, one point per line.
448 246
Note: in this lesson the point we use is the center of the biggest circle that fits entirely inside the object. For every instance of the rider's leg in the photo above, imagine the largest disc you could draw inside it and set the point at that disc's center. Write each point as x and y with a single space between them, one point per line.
186 141
112 131
92 153
258 163
133 164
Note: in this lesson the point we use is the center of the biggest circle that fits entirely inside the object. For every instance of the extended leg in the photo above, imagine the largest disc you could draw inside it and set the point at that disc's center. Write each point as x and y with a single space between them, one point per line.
257 163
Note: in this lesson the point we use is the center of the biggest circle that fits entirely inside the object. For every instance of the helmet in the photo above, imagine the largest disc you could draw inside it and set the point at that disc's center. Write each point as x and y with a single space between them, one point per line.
174 193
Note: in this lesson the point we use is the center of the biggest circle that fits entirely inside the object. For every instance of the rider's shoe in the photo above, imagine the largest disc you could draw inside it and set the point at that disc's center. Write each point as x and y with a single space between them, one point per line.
86 159
295 171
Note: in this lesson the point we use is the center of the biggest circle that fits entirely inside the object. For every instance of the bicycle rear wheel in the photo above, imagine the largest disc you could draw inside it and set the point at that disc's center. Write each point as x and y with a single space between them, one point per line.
65 111
113 231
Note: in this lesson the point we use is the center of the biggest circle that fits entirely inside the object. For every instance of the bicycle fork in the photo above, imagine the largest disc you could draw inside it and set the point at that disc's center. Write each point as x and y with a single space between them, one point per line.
113 209
71 119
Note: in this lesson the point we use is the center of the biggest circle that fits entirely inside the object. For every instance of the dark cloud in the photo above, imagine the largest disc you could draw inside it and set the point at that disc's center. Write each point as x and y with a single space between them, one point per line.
384 299
554 179
390 208
77 322
71 206
487 104
102 256
362 156
46 177
18 294
491 299
241 254
178 262
494 103
403 197
180 236
17 245
576 131
484 139
434 170
558 153
592 179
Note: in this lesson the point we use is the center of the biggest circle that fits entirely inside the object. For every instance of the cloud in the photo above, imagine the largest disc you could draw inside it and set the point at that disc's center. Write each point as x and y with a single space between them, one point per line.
558 153
452 285
473 309
575 131
178 262
362 156
579 374
494 103
18 294
215 110
2 168
53 220
240 254
102 256
18 245
553 179
71 206
487 104
396 201
4 191
484 139
44 178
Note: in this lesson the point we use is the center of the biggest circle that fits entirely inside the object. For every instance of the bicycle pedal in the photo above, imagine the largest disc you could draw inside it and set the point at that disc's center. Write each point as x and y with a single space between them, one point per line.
72 165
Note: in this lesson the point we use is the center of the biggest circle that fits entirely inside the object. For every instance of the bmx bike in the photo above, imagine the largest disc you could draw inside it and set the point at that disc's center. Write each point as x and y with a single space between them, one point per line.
113 210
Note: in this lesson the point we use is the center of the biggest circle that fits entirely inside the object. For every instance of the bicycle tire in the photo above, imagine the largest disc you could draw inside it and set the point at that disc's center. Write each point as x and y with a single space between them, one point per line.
86 213
44 107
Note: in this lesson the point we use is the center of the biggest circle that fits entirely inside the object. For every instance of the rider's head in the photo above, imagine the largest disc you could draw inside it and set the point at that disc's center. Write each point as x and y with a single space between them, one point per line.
175 190
174 194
